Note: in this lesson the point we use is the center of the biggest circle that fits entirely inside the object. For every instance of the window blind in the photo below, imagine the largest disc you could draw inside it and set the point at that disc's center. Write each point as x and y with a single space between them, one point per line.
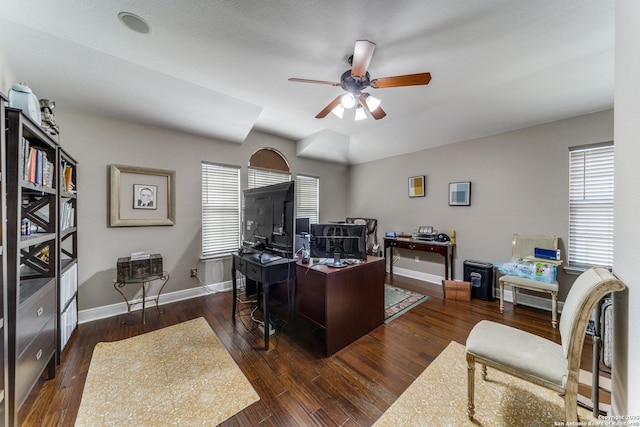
261 177
308 198
220 209
591 190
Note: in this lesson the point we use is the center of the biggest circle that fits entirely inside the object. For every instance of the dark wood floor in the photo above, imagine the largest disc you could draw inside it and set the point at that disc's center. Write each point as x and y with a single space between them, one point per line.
296 384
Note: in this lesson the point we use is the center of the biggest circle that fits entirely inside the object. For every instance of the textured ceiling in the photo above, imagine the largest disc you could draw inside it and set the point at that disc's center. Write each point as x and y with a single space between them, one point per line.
220 68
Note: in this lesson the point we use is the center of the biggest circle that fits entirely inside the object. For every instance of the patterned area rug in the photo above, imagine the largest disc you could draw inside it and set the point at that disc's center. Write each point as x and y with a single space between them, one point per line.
398 301
180 375
438 397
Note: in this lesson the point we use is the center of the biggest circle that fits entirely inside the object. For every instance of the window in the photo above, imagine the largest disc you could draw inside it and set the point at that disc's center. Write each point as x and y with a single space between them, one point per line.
220 209
261 177
267 166
591 205
308 198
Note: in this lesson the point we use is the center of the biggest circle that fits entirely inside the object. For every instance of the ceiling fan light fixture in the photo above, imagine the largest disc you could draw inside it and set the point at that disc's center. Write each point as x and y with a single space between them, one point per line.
360 114
338 110
348 100
372 102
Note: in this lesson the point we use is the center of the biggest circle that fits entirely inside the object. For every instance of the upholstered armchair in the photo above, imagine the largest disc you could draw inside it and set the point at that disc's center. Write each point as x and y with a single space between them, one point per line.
536 359
372 232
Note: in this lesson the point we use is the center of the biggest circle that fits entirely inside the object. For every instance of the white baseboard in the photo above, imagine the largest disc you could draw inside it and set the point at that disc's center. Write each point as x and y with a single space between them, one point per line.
121 308
523 299
431 278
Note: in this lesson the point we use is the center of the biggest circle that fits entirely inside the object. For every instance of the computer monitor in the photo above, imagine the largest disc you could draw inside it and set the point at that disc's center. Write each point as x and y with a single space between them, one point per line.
338 242
303 226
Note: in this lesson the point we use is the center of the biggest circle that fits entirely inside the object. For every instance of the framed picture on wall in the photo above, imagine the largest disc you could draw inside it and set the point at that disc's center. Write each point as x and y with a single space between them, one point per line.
460 193
142 196
416 186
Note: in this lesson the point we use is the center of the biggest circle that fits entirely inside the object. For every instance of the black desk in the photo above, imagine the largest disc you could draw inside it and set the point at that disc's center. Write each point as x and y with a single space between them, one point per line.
267 274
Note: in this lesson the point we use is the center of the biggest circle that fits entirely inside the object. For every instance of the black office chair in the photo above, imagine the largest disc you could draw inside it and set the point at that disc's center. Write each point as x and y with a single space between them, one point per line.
372 232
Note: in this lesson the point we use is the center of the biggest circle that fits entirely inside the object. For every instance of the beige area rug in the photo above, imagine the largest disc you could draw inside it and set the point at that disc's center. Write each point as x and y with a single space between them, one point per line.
438 397
180 375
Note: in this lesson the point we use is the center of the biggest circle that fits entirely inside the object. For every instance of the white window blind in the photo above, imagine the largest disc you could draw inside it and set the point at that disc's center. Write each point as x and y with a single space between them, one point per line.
308 198
220 209
591 189
261 177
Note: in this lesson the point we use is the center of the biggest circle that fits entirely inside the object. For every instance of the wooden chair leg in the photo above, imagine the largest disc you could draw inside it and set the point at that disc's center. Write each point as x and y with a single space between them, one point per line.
471 371
554 309
571 406
501 297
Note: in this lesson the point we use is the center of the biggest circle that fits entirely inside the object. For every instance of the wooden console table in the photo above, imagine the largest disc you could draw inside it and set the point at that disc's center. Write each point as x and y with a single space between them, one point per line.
267 274
346 302
443 248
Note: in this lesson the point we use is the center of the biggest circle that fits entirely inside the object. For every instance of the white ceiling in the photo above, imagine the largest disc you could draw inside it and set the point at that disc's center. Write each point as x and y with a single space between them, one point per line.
220 68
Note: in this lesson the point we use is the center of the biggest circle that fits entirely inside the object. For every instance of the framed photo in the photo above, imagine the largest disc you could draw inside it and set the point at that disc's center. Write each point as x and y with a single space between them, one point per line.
142 196
460 193
416 186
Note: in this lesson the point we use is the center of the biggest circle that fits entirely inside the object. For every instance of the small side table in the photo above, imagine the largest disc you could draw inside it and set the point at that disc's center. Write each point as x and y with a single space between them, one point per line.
143 282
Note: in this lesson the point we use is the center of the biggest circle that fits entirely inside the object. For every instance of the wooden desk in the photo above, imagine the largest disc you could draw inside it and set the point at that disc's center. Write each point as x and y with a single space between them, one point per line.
443 248
346 302
266 274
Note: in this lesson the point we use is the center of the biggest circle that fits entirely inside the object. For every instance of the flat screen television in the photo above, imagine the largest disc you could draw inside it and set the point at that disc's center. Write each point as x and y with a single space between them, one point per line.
269 219
338 242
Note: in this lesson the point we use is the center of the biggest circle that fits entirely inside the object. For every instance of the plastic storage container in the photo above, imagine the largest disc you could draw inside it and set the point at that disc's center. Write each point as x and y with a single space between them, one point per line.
480 274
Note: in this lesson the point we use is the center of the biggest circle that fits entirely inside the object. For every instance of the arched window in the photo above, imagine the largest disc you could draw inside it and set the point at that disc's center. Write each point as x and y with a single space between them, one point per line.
267 166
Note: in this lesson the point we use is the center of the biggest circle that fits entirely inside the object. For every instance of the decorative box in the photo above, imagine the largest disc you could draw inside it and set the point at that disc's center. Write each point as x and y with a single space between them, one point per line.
457 290
128 269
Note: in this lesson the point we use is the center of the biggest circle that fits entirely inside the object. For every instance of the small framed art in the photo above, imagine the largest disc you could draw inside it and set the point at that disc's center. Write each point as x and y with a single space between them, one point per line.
460 193
416 186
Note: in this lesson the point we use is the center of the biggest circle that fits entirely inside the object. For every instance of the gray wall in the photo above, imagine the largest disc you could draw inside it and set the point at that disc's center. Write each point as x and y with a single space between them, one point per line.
626 369
519 184
96 142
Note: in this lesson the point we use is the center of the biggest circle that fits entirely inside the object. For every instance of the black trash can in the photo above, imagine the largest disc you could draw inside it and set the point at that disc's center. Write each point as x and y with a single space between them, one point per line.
480 274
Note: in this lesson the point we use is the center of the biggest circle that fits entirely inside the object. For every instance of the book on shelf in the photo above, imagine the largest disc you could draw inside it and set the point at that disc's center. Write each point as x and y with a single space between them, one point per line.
36 166
67 177
66 216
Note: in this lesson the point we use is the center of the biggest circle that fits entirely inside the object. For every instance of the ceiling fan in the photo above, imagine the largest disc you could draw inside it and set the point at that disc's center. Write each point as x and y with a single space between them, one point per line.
355 80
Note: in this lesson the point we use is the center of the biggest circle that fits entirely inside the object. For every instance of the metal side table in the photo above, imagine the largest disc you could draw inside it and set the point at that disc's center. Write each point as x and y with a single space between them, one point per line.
143 282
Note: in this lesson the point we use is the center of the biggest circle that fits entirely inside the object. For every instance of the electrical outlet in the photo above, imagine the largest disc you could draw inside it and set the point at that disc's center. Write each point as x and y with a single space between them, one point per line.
417 258
194 272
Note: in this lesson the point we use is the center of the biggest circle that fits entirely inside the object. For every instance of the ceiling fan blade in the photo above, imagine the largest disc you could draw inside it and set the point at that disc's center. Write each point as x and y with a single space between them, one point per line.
362 54
320 82
406 80
377 114
326 110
